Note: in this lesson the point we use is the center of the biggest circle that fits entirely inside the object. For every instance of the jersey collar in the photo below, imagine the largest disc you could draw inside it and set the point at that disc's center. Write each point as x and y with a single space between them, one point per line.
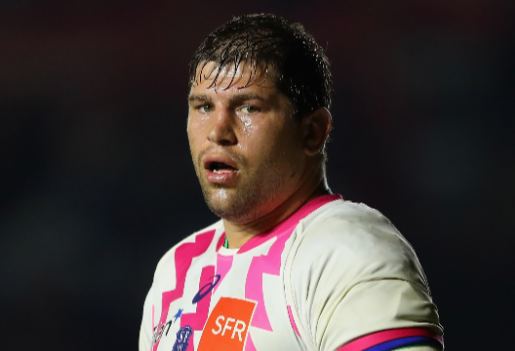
287 226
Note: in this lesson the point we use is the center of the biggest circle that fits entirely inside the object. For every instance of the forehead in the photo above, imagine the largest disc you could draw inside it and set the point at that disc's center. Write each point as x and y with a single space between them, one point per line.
210 75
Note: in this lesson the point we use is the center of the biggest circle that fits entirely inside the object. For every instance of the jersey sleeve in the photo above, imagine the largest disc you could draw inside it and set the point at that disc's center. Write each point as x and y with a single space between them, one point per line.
356 284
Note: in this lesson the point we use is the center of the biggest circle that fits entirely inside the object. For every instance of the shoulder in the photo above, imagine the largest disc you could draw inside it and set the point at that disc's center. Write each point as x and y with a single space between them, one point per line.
193 245
359 242
350 273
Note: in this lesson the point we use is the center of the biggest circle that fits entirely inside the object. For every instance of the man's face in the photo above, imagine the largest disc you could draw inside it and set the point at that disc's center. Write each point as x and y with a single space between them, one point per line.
246 147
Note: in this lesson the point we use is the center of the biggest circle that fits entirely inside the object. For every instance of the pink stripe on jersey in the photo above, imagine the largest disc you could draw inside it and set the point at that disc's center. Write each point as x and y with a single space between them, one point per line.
249 344
387 335
184 255
271 262
198 319
289 223
292 320
153 312
223 265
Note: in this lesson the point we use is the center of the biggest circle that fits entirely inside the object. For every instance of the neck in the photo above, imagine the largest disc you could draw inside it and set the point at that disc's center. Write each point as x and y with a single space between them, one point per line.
239 233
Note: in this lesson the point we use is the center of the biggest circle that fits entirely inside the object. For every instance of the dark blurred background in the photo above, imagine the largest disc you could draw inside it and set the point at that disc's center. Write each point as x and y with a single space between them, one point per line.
96 181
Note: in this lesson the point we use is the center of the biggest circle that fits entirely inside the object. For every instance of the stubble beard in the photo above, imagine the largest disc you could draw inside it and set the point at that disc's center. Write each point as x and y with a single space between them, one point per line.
253 197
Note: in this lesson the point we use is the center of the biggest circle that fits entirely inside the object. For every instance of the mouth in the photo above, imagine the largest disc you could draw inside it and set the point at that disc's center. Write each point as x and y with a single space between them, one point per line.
221 167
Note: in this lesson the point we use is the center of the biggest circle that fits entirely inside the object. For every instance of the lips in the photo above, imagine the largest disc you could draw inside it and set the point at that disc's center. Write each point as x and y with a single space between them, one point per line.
220 168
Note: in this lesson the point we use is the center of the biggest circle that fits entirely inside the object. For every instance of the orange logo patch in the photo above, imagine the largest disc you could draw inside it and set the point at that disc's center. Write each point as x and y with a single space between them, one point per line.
227 326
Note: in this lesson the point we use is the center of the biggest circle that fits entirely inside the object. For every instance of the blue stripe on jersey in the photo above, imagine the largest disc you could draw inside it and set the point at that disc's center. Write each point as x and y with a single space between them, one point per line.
394 344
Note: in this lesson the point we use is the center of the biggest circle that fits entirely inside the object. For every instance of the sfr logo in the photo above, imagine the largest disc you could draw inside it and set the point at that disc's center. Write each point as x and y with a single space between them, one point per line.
227 326
239 327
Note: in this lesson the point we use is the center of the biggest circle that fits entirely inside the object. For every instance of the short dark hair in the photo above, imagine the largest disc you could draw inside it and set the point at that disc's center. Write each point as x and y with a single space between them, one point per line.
300 65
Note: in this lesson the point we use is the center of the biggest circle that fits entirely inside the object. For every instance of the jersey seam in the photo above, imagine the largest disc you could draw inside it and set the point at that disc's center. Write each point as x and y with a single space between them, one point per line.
290 296
383 278
300 235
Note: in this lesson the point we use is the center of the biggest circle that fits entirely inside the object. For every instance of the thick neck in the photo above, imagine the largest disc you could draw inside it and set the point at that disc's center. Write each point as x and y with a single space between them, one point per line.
238 234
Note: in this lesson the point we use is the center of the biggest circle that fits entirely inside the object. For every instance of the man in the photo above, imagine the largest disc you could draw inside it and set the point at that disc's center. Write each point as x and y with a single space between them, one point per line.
289 266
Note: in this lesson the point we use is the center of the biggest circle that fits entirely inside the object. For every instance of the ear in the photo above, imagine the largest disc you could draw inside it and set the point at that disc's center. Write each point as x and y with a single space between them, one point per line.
316 127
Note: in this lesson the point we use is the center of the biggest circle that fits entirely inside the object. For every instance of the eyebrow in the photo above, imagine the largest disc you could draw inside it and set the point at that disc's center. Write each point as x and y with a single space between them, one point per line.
245 97
233 98
199 98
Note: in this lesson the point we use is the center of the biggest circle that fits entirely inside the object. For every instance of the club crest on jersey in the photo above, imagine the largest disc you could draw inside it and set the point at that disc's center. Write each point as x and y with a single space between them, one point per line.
228 325
183 337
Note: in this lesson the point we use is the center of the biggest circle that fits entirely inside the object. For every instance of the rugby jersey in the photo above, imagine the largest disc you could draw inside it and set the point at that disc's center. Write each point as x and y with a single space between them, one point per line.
335 275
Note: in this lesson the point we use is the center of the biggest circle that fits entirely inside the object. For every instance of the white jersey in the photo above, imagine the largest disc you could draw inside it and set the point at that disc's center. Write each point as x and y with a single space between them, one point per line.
334 276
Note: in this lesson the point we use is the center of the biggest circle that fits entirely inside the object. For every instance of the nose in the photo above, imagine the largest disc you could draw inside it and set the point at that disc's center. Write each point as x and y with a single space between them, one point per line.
222 129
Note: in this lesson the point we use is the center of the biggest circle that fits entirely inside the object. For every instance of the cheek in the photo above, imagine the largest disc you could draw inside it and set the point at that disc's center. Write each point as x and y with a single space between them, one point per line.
246 125
255 137
196 123
287 148
193 136
195 129
267 145
190 132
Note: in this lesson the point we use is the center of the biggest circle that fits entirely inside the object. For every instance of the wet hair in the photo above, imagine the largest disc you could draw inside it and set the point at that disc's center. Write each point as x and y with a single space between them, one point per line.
299 65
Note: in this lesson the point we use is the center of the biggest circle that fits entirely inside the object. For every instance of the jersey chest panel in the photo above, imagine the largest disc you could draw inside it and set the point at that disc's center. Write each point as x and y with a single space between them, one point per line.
217 290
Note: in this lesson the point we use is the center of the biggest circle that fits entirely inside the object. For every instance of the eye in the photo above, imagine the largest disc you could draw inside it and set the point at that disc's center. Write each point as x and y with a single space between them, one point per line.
249 109
206 108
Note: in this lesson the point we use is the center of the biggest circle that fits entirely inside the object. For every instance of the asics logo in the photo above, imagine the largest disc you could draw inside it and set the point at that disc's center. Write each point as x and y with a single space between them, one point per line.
206 289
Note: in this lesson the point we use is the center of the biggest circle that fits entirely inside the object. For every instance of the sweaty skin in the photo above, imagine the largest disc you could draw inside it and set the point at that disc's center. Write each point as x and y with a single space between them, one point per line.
267 164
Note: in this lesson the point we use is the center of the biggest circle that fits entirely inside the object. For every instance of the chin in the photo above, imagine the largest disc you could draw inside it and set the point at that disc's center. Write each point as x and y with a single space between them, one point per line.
231 213
237 209
244 203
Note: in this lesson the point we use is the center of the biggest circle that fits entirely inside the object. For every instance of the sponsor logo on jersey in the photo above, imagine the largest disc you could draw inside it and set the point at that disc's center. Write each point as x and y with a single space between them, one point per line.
158 332
228 325
206 289
203 292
